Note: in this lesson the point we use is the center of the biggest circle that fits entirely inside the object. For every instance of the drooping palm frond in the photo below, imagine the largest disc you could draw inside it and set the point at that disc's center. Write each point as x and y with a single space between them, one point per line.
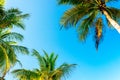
98 32
39 58
72 16
20 49
12 36
23 74
86 24
13 17
63 71
114 12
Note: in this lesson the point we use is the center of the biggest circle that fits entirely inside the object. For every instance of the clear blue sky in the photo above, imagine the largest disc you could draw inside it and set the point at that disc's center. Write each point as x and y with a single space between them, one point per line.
42 32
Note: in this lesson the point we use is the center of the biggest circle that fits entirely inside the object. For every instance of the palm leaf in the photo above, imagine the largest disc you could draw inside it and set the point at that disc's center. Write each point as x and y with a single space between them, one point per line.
23 74
98 32
73 15
20 49
64 70
83 29
114 12
12 58
53 59
12 36
39 58
13 17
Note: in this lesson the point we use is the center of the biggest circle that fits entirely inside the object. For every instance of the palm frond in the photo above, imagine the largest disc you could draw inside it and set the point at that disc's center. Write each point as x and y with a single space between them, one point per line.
53 59
23 74
19 62
64 70
19 24
73 15
11 42
20 49
113 12
12 58
13 17
12 36
83 29
46 55
39 58
14 10
98 32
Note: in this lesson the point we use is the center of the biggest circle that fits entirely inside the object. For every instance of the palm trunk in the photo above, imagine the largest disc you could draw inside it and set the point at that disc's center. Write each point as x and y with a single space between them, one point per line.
113 22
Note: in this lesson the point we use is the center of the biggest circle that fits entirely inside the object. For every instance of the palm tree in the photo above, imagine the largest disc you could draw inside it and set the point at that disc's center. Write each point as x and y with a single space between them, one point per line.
12 18
46 70
88 15
9 49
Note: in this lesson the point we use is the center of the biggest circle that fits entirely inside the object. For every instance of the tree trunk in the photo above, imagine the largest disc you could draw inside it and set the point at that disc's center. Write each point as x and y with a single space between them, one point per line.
113 22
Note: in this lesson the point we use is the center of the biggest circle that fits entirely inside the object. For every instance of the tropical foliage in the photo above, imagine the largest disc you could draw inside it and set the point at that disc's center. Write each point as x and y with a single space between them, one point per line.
46 70
9 50
9 47
87 15
12 18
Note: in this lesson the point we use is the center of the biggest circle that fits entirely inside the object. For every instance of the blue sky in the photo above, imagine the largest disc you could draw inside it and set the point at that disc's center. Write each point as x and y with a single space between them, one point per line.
43 32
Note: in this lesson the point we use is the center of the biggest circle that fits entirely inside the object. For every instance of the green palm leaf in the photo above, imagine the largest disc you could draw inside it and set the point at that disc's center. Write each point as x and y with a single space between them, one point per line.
98 30
73 15
114 12
23 74
39 58
12 36
13 17
83 29
20 49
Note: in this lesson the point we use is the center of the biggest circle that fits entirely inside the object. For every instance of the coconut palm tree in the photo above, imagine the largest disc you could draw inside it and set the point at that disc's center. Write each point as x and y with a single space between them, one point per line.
88 15
46 70
12 18
9 50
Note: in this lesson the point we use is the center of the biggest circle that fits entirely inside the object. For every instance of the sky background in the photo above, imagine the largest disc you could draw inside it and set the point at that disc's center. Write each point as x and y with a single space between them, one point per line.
43 32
